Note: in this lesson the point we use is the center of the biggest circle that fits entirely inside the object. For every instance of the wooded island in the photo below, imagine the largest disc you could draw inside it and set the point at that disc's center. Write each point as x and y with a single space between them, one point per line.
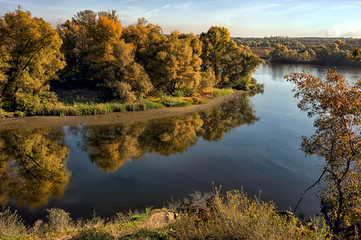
92 64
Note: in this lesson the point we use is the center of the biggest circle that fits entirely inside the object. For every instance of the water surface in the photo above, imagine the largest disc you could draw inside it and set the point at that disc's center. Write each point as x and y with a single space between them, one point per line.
251 142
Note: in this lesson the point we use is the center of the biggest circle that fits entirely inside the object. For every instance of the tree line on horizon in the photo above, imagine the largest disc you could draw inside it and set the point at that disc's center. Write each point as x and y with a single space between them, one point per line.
92 50
310 50
335 54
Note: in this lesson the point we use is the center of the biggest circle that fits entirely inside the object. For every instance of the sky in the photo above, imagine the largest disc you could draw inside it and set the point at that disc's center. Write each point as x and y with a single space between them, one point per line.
243 18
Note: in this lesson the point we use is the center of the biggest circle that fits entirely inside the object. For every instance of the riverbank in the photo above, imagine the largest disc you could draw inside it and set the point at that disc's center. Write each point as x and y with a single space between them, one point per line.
111 118
232 215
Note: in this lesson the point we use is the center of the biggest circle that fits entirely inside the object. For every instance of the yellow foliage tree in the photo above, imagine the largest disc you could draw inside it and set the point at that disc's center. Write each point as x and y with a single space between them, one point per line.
103 59
32 58
177 63
230 64
112 62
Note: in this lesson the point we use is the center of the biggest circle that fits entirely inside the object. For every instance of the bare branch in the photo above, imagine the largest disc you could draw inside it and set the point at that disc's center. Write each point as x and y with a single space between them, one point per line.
310 187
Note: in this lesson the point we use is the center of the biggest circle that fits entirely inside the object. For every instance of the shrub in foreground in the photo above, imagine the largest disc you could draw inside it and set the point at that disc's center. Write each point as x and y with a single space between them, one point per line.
232 215
58 220
11 223
235 216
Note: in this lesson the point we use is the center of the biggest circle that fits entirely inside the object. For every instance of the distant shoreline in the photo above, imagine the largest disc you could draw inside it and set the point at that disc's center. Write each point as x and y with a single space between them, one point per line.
111 118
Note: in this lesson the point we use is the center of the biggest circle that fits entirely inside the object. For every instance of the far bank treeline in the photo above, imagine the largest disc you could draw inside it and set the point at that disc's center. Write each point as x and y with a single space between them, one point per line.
118 65
309 50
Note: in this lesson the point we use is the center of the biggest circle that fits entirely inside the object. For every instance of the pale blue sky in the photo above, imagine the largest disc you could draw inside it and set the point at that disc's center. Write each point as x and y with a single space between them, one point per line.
243 18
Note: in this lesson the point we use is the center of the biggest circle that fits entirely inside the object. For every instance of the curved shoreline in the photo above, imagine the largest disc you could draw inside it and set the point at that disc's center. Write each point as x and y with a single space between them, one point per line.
112 118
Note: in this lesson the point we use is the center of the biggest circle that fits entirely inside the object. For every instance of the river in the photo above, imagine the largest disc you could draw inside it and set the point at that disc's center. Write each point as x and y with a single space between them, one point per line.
250 143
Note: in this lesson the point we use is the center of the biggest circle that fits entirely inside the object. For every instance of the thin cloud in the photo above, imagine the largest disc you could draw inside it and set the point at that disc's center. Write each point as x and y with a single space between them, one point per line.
131 13
159 9
260 17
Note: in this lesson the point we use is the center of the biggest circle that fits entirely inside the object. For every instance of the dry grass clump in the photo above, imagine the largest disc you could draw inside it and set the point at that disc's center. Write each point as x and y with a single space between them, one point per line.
11 223
232 215
236 216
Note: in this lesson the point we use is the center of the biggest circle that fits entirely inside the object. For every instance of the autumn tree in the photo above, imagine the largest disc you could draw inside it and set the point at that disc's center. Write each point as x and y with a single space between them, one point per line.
30 52
102 58
77 36
336 53
3 65
215 42
177 63
282 54
194 62
237 67
231 64
172 62
332 54
112 62
335 105
145 38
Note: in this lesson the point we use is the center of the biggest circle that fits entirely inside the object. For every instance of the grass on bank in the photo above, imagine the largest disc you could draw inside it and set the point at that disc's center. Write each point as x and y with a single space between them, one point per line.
180 98
232 215
82 109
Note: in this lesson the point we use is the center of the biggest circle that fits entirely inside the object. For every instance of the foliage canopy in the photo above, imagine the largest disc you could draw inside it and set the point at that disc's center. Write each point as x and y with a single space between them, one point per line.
30 57
122 64
335 105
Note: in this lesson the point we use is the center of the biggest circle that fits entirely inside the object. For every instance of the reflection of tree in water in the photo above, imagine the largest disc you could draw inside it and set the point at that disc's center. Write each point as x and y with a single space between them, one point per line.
112 146
220 120
172 135
32 166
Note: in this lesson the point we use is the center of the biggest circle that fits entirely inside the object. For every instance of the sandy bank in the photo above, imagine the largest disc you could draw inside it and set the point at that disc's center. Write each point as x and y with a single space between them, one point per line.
112 118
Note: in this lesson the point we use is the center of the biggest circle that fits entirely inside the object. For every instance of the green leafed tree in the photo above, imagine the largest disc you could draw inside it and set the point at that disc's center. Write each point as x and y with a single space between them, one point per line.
3 65
215 42
238 64
231 65
77 36
30 51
